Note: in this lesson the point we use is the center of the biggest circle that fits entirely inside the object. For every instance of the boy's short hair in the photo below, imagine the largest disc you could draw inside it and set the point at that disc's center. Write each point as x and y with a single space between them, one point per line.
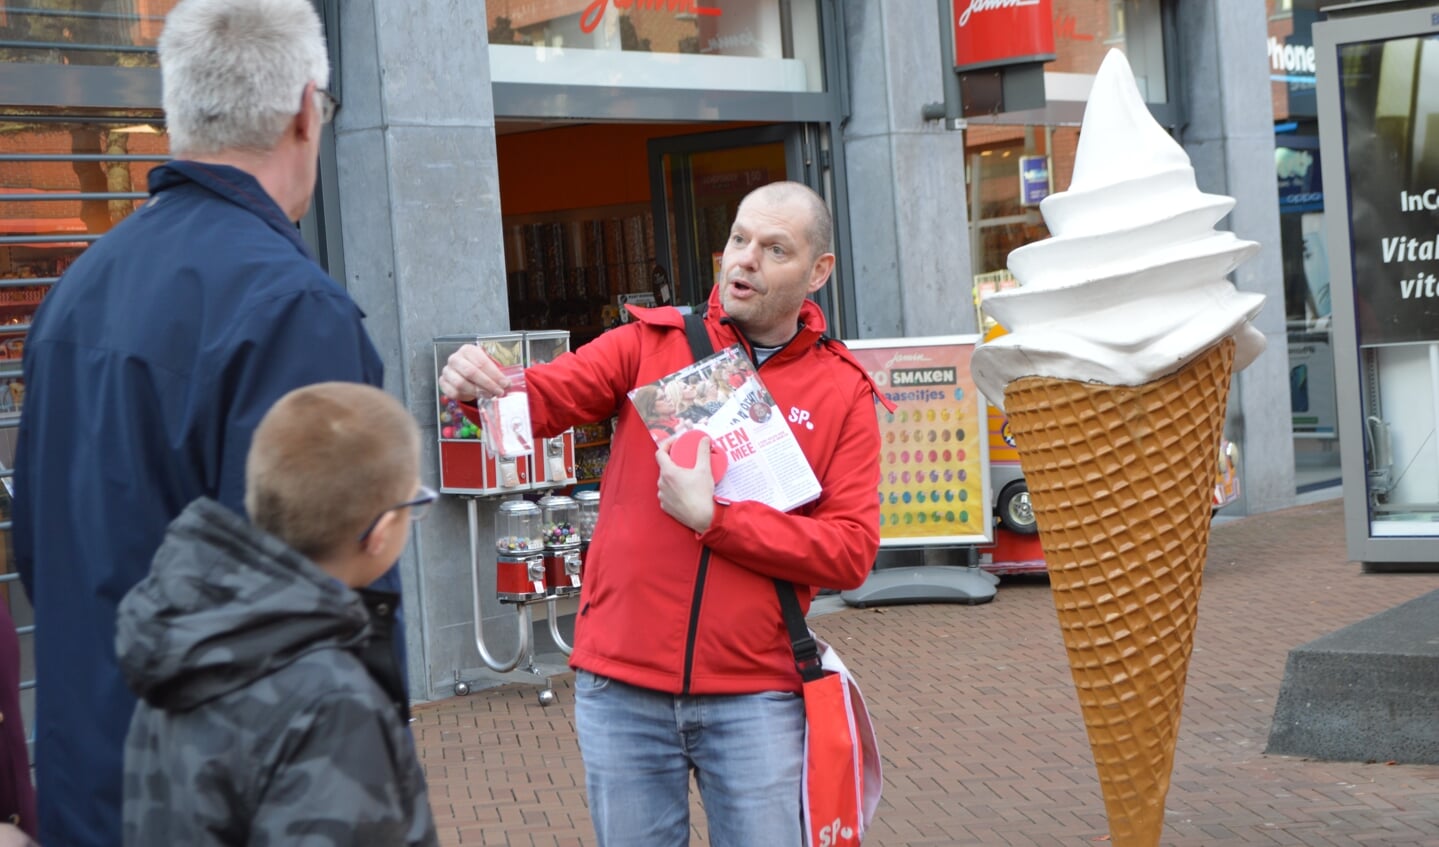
325 460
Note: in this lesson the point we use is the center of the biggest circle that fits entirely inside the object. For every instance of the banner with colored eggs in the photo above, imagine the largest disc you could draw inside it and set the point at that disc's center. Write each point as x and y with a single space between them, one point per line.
934 447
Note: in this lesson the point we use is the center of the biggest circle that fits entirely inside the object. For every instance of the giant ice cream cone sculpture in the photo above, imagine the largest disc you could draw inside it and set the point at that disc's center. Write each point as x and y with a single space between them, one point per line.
1114 374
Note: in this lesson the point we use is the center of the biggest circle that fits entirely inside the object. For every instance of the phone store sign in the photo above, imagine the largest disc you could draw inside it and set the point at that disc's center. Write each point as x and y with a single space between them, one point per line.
991 33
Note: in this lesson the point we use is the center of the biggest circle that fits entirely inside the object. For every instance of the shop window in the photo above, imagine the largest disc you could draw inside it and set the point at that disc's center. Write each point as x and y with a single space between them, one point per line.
1085 30
116 33
1389 108
64 182
750 45
1010 169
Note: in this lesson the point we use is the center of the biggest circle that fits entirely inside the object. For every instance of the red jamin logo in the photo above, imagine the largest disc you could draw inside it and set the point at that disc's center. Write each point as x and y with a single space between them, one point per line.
982 6
593 13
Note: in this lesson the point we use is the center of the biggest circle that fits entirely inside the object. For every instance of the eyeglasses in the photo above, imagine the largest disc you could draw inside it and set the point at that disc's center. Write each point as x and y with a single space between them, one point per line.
329 105
419 508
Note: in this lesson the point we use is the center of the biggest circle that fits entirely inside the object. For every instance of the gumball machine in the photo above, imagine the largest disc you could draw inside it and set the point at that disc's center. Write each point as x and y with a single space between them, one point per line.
520 552
554 459
589 504
468 467
560 528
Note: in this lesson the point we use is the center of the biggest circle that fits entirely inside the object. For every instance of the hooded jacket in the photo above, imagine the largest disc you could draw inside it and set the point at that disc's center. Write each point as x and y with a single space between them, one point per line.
656 609
259 720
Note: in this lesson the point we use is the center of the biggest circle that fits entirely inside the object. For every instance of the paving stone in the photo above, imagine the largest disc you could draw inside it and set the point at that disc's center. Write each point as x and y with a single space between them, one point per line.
980 727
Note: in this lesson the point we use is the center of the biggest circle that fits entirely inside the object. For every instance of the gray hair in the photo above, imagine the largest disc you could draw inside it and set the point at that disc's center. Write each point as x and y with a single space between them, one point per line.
233 71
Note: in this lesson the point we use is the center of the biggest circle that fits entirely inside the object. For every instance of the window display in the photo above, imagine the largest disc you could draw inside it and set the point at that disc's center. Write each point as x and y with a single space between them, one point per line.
568 270
110 32
1389 97
64 182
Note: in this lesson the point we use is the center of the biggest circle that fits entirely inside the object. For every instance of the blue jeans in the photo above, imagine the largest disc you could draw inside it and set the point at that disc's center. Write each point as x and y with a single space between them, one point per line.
639 747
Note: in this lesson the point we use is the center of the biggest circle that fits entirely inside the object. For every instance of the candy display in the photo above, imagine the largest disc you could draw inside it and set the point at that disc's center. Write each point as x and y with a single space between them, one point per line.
590 462
489 448
561 516
589 512
1115 373
518 544
453 423
562 544
592 433
559 534
517 528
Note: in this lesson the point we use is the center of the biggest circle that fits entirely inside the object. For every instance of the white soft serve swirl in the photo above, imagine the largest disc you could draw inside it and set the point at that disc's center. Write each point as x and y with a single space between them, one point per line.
1133 284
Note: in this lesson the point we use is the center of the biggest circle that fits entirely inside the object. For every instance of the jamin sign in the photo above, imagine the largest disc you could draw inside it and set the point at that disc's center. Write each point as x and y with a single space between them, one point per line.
595 11
991 33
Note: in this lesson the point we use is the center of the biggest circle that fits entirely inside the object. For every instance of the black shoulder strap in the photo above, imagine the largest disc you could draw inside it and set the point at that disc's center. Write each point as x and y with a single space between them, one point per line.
806 652
700 345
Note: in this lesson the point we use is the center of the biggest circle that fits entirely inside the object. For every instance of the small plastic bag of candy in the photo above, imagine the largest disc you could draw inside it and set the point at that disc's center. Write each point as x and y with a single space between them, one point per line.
506 419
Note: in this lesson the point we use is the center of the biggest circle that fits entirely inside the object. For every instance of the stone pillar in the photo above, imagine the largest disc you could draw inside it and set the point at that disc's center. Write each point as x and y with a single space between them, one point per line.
1229 134
908 220
424 256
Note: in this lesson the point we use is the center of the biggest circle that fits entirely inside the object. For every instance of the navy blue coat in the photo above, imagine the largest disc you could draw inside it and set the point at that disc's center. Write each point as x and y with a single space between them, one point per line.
146 371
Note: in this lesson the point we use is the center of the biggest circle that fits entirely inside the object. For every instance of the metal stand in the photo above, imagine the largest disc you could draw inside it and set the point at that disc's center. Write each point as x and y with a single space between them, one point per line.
524 617
893 585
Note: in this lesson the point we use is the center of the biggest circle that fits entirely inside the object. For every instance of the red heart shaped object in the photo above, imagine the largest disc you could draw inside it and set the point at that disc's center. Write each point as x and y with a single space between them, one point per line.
685 448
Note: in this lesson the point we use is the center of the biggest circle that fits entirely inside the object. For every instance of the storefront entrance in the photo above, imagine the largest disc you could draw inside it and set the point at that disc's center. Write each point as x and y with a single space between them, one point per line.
603 215
597 216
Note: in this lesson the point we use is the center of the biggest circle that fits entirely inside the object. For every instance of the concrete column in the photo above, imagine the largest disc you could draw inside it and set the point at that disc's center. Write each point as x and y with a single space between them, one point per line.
1229 135
908 218
424 256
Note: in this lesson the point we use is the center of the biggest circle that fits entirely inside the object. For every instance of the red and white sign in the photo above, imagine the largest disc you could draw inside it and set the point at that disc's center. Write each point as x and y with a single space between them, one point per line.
991 33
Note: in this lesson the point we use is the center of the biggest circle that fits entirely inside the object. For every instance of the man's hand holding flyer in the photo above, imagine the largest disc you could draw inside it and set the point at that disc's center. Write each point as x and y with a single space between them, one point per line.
723 397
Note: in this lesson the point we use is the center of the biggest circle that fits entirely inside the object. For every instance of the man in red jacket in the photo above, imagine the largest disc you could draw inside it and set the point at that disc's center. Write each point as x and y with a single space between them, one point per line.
683 661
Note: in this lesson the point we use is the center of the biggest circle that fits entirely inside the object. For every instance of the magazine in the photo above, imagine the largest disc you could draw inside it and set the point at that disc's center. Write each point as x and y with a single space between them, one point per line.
722 396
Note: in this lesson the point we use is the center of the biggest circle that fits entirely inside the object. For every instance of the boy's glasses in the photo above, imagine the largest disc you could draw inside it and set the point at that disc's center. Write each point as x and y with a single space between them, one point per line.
419 507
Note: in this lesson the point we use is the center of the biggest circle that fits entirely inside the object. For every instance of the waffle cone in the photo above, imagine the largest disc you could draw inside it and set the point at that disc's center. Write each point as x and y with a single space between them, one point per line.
1121 478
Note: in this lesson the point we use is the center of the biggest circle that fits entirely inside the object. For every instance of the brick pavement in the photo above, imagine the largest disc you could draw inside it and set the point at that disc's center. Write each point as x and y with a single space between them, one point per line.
982 738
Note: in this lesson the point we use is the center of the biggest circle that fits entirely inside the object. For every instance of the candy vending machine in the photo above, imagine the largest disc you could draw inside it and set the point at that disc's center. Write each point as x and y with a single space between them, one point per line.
554 460
469 464
589 506
488 449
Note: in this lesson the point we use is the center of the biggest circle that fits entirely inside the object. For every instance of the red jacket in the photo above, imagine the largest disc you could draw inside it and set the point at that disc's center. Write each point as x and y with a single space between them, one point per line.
650 613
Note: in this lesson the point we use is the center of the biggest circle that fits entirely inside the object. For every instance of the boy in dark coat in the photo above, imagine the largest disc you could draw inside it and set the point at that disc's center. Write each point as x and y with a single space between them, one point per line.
271 709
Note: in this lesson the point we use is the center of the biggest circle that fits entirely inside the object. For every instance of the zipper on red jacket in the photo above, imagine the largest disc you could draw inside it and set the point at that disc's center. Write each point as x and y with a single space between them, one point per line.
694 626
693 632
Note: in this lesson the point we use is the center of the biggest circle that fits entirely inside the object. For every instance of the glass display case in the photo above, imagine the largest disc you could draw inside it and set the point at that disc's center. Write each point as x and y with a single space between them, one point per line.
554 461
519 552
466 466
1378 101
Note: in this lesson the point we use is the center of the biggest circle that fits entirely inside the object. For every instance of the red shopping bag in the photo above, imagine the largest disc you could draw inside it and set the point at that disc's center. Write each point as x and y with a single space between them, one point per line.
842 777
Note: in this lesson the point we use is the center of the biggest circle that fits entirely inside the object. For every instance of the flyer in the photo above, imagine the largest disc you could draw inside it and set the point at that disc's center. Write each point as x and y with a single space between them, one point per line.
722 396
